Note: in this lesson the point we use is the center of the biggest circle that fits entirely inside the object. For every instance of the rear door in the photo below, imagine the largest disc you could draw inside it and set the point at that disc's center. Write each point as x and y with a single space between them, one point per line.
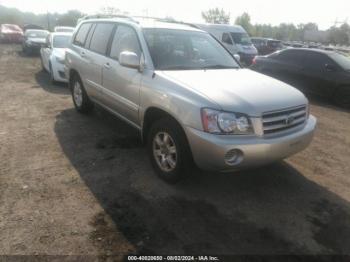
95 57
121 85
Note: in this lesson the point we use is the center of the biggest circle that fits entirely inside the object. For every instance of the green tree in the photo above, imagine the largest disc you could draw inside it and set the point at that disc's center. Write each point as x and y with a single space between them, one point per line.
70 18
244 21
216 16
339 35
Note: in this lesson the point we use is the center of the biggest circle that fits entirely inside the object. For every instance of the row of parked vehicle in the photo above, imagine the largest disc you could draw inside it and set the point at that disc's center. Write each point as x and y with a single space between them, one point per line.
182 87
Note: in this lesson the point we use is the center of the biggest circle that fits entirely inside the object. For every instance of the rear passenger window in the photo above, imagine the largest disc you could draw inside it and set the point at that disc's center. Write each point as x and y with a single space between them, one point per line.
294 57
125 39
81 35
100 38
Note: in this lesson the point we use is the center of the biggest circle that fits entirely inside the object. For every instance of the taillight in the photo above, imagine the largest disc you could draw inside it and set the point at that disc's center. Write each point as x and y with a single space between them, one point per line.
254 61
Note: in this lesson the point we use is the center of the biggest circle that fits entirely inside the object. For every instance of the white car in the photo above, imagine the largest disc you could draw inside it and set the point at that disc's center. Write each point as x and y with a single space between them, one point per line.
53 55
64 29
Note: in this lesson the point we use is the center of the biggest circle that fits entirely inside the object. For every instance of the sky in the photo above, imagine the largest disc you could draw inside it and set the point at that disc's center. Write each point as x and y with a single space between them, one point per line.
274 12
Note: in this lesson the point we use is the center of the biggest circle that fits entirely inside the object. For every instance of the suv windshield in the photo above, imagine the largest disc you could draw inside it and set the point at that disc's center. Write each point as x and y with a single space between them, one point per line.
241 38
341 60
61 41
186 50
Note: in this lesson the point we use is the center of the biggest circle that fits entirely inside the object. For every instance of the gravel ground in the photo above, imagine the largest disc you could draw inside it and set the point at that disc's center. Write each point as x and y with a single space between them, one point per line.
82 185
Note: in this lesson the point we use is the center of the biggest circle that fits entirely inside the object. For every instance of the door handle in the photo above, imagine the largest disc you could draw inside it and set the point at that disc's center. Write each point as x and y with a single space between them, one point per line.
82 54
107 66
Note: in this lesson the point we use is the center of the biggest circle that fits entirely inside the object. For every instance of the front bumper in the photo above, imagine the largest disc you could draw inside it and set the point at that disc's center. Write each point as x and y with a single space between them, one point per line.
59 72
209 151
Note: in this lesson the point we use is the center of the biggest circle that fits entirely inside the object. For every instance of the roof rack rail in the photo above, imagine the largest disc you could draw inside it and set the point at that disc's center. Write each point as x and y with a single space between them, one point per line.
97 16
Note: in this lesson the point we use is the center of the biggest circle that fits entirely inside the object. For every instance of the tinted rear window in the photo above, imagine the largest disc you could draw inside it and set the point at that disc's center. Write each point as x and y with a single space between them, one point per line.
81 35
289 56
100 38
341 60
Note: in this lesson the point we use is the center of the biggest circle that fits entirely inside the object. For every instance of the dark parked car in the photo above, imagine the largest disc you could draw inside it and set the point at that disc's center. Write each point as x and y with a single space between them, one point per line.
34 40
10 33
266 46
315 71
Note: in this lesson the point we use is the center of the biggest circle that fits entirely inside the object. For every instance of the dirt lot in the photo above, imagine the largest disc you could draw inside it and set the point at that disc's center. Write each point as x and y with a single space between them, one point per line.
74 185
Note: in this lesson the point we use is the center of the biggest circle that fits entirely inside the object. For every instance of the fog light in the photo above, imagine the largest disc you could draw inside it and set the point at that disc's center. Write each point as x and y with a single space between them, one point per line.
233 157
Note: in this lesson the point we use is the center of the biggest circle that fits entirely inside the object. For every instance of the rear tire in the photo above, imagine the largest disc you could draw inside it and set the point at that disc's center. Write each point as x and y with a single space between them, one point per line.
82 102
169 150
342 96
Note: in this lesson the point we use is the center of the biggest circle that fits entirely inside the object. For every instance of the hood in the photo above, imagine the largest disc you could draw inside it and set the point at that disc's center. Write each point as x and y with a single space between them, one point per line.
239 90
247 49
59 52
37 40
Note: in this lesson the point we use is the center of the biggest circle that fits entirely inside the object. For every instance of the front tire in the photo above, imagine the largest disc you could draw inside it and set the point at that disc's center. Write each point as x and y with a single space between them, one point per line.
169 150
342 96
82 102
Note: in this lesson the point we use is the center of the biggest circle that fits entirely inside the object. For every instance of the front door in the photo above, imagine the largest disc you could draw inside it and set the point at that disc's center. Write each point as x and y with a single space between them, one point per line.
121 85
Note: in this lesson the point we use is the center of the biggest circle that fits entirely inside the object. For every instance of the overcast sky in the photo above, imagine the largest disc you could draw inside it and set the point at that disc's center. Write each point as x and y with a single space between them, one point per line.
274 12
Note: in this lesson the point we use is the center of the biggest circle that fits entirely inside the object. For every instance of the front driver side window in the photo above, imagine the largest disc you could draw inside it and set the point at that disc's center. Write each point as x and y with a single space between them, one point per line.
227 39
125 39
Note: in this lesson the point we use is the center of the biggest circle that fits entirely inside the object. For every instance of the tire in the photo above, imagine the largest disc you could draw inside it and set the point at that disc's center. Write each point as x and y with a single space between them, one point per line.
176 164
82 102
342 97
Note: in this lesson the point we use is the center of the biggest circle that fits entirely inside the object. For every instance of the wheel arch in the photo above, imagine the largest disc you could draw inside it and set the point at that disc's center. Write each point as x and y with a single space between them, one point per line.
153 114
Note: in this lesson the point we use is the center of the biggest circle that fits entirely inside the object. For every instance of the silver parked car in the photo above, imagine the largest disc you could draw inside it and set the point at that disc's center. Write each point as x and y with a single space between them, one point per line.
187 95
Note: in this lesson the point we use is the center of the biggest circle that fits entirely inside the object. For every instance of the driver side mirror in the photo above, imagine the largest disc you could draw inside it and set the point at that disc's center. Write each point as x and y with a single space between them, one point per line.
129 59
237 57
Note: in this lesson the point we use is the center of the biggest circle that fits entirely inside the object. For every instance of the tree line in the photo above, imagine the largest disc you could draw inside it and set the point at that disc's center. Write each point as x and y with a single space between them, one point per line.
284 31
47 21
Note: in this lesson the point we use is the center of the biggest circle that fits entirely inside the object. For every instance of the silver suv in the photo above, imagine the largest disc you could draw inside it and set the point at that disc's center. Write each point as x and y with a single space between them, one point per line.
186 94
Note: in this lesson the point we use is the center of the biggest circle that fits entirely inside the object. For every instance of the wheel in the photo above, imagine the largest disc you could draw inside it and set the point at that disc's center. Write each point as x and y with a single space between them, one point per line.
342 96
169 150
81 100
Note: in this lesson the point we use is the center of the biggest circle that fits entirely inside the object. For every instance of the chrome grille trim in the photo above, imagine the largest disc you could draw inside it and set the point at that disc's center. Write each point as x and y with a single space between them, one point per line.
282 120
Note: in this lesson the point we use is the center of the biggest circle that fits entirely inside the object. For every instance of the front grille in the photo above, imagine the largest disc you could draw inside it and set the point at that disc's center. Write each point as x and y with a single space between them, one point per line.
283 120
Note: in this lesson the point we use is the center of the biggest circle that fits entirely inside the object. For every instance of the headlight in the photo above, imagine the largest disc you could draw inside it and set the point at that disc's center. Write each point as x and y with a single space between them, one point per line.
59 59
218 122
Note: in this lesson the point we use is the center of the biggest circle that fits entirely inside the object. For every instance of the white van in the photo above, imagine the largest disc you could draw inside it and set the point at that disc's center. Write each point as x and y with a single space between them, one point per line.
234 38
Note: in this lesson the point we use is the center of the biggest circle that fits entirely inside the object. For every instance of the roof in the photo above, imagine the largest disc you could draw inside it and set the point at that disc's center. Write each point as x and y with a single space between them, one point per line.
326 52
221 27
61 33
36 30
147 23
265 38
59 26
